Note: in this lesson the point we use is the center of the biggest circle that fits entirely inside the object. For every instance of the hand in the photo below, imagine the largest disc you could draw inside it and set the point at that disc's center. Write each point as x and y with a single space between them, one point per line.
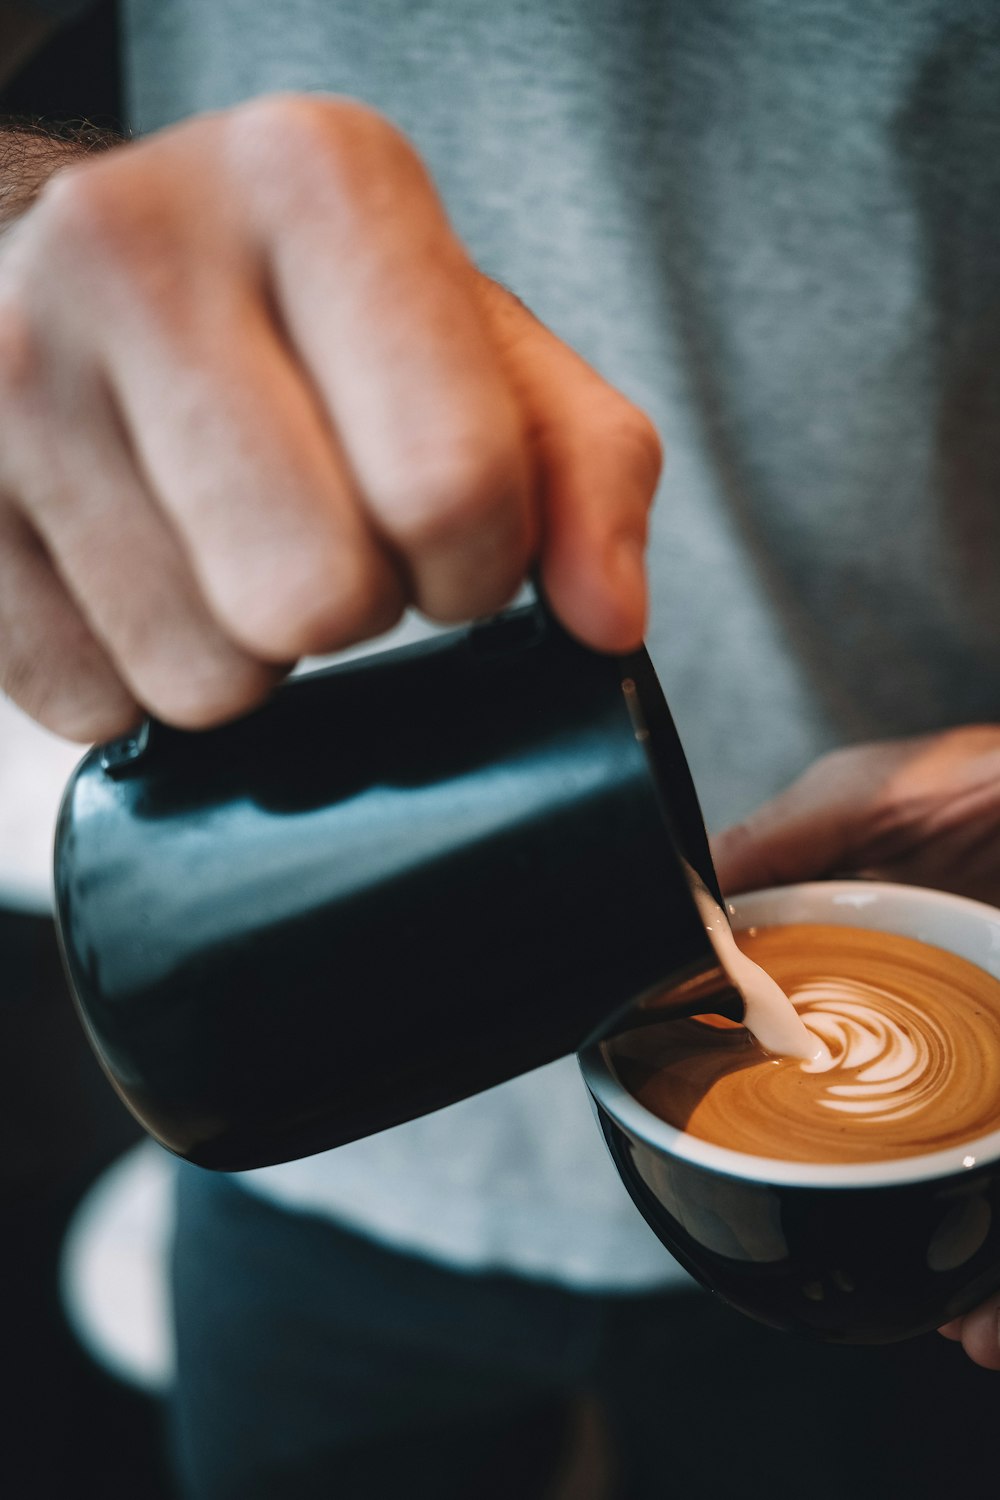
979 1333
255 400
924 811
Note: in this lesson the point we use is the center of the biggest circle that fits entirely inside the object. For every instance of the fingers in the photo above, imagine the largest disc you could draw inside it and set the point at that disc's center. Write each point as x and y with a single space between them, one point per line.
826 823
597 459
262 401
804 833
124 568
377 302
245 465
52 665
475 436
113 587
941 814
979 1333
923 810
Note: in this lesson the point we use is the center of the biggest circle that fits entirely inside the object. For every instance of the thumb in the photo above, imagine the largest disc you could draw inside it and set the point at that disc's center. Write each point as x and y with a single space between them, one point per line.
597 458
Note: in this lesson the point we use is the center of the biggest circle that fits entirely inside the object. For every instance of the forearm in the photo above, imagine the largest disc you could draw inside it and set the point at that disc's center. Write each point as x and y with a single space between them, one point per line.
30 154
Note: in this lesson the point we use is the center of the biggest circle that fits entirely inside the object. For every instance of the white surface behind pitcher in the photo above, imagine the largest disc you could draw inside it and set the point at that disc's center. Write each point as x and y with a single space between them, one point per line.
34 768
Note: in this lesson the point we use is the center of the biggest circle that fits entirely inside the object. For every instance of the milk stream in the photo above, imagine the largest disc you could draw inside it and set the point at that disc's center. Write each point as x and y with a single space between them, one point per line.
769 1015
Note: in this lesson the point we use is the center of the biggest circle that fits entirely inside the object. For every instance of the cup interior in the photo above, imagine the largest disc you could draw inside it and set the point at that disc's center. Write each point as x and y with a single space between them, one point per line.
969 929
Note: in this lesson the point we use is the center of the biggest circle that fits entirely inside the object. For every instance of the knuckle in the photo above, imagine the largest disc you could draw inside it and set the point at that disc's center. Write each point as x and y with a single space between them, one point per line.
831 769
342 150
454 493
270 127
631 433
103 227
289 117
314 607
740 842
76 208
371 147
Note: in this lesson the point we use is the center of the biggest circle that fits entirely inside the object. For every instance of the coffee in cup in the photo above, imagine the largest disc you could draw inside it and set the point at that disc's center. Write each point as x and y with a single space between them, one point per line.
911 1059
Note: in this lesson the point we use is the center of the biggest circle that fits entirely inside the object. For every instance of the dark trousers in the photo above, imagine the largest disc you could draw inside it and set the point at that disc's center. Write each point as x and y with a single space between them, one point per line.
314 1363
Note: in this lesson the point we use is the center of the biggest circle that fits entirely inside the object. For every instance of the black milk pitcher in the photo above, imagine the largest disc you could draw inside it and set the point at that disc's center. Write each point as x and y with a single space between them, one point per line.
403 880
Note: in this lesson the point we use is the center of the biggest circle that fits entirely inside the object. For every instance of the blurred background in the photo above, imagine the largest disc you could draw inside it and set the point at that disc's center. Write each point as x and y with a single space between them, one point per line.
68 1428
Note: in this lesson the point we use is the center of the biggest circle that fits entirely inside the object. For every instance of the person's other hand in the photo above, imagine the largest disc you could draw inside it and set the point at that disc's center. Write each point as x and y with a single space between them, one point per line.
924 811
256 400
979 1333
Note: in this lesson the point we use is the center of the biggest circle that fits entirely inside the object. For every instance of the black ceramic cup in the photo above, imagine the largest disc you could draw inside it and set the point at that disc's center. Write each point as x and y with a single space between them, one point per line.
402 880
854 1254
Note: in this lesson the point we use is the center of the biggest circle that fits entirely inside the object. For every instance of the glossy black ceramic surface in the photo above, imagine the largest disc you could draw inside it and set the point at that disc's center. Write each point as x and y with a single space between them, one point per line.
401 881
849 1265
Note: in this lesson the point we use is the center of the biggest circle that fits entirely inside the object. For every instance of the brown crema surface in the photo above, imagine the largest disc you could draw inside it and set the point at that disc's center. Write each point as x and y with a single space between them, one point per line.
914 1039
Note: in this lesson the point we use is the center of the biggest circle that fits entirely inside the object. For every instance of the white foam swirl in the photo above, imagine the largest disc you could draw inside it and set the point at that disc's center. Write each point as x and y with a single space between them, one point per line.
889 1045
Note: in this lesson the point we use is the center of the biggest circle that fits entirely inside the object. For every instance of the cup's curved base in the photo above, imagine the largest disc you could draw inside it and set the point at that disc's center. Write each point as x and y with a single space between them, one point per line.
853 1266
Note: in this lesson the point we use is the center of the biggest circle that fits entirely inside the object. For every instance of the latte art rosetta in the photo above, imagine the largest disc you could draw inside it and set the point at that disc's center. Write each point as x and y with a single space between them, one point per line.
910 1064
894 1051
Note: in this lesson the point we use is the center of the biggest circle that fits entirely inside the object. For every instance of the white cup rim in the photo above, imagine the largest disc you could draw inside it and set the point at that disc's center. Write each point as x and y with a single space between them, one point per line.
972 930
